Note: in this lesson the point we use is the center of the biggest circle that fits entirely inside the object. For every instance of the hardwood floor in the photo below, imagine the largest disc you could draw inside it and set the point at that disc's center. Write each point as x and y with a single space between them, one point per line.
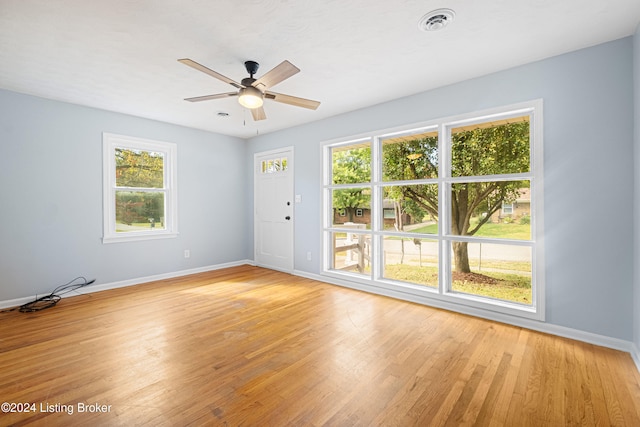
252 347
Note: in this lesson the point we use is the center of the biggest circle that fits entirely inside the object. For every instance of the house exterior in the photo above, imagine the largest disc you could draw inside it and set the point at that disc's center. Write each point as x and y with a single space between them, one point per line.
516 210
362 215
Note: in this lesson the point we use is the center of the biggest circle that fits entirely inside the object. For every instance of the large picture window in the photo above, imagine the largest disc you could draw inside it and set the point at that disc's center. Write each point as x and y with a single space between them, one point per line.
450 210
139 189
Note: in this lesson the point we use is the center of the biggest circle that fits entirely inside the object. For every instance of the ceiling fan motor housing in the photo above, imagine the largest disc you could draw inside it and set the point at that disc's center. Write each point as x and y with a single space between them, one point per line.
247 81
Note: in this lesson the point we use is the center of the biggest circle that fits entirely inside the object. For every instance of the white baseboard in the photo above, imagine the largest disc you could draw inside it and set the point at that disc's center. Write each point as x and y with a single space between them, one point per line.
16 302
130 282
635 355
591 338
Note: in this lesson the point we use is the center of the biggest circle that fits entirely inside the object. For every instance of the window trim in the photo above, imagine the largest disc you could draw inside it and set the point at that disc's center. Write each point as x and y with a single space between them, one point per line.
112 141
374 280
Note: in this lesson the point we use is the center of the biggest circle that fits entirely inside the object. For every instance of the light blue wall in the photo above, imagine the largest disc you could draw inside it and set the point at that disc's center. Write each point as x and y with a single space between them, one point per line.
51 196
636 217
589 171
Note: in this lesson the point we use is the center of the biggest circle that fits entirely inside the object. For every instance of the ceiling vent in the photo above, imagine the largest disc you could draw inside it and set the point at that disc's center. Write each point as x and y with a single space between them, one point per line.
436 20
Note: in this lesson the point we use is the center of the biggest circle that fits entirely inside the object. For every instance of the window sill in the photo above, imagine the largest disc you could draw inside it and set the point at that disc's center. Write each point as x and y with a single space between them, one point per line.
132 237
429 296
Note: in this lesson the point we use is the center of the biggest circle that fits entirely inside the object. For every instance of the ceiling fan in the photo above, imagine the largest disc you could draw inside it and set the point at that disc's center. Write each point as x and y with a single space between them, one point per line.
252 92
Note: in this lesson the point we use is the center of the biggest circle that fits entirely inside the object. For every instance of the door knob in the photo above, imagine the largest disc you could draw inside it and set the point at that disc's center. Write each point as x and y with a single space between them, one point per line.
287 217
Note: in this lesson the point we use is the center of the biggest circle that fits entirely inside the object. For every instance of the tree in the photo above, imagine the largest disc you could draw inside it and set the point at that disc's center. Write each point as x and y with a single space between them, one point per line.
410 160
136 168
476 152
493 150
351 166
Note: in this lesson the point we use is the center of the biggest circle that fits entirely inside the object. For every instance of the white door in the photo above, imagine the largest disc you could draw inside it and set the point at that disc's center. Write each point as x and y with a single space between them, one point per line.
273 200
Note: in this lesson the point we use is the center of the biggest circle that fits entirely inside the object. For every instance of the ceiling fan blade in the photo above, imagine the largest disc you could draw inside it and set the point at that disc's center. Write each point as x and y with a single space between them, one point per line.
200 67
258 114
292 100
281 72
210 97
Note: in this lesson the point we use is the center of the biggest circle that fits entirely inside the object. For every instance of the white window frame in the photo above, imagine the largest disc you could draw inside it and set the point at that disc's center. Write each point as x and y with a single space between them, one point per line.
443 295
112 141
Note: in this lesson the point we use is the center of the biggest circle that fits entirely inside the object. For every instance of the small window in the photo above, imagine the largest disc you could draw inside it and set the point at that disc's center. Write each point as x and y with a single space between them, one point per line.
507 209
274 165
358 212
139 189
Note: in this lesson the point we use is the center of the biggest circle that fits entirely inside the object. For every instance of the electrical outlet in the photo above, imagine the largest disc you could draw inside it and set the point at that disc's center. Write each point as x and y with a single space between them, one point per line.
187 253
309 256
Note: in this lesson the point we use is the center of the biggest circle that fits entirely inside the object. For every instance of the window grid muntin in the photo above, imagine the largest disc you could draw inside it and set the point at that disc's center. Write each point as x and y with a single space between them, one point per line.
533 110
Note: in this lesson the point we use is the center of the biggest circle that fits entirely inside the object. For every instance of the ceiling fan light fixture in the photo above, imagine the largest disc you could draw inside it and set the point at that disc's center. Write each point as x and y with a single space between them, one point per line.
250 97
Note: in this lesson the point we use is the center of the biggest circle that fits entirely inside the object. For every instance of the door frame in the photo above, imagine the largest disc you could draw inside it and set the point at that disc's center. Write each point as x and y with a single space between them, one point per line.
256 173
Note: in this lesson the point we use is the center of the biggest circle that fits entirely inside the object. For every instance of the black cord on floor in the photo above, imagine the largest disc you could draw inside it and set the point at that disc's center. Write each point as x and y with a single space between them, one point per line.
52 299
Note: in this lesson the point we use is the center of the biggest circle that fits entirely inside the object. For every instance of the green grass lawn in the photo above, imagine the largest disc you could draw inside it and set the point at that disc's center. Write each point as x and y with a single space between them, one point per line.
503 231
427 276
510 287
427 229
506 231
487 264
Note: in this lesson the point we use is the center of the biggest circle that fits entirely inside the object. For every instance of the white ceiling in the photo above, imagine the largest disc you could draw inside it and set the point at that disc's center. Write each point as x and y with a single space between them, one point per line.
121 55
